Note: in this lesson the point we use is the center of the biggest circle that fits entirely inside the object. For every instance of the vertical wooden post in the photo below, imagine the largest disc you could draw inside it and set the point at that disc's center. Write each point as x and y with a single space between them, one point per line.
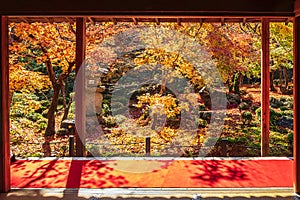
224 143
71 145
148 146
265 76
80 106
4 109
296 80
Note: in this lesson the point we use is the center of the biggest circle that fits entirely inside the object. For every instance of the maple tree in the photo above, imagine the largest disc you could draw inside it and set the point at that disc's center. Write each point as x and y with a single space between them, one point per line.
281 52
234 52
52 46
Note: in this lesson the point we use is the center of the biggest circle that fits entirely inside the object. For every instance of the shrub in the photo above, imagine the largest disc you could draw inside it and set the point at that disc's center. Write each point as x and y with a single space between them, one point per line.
246 117
289 113
258 112
202 123
273 114
243 106
248 99
283 99
202 107
110 121
34 116
283 108
290 138
275 103
254 107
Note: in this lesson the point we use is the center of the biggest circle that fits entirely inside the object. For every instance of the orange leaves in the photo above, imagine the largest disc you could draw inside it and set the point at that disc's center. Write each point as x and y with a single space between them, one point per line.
39 43
27 81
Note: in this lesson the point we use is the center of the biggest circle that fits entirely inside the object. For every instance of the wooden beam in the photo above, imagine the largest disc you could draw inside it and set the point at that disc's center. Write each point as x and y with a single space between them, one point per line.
4 109
50 20
153 7
134 21
265 114
222 21
178 22
287 21
143 18
297 8
157 21
201 22
25 20
114 21
80 106
91 20
244 21
296 79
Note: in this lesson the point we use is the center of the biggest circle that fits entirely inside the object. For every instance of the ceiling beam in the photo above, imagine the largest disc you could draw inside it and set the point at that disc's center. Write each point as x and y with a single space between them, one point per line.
134 20
114 20
91 20
154 19
150 7
178 21
157 21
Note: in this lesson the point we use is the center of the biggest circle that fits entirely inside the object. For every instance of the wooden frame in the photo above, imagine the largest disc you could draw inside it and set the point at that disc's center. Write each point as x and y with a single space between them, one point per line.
80 87
4 115
296 69
265 79
150 7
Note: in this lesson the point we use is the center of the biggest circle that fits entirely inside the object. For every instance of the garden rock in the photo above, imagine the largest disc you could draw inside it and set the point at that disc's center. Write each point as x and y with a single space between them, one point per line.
285 121
233 98
275 103
205 115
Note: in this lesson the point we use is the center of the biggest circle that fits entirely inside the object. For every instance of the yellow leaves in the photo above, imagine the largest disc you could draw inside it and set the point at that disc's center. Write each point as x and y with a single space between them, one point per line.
140 61
171 109
168 134
27 81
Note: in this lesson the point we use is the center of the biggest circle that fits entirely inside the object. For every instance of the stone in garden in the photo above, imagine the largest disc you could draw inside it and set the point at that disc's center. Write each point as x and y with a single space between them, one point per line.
233 98
275 103
285 121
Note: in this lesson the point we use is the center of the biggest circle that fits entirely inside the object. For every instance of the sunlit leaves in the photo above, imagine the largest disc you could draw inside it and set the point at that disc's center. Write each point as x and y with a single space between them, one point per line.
171 109
281 45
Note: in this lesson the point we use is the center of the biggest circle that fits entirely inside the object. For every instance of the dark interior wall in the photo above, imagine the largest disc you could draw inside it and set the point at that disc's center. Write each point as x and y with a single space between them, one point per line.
148 7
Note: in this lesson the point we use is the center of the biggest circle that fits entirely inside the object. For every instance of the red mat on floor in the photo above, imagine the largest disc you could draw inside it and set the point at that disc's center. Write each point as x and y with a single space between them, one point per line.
178 173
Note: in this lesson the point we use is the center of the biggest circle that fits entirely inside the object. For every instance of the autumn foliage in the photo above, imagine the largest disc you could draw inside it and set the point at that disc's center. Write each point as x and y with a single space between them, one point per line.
42 63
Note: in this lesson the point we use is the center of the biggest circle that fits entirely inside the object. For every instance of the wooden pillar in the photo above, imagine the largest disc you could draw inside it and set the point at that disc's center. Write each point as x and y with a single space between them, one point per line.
80 106
4 117
296 170
265 79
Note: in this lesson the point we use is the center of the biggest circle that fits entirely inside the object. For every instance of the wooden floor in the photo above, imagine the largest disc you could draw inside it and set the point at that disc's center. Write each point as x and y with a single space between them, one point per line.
148 194
156 173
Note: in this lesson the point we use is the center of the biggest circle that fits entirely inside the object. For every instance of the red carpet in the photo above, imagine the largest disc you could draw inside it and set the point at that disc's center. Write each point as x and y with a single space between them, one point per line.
179 173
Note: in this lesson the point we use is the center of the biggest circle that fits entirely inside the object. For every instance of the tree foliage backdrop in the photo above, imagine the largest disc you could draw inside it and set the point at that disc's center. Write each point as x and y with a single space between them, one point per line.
42 62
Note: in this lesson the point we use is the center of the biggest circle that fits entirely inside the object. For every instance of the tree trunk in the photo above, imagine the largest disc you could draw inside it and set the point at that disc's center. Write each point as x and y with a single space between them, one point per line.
163 83
286 77
66 111
66 104
236 83
11 94
280 80
272 82
229 85
50 130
